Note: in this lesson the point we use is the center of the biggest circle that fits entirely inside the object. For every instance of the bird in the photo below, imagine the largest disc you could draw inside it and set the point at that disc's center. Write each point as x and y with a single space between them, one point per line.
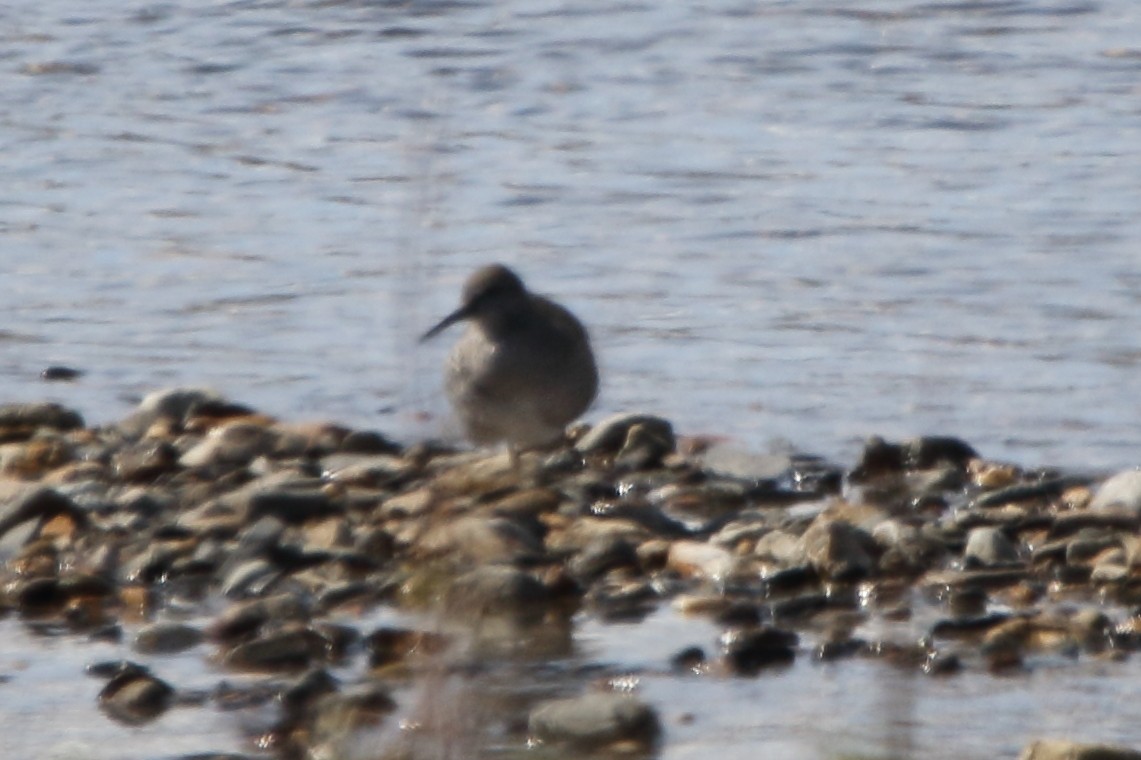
522 370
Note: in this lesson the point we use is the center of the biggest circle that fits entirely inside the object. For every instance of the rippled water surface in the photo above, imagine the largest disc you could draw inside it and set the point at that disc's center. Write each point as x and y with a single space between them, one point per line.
807 221
782 221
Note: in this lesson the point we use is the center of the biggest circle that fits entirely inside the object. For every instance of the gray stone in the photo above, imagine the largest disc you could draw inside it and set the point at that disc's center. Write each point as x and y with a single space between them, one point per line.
177 404
234 443
989 546
249 578
32 503
595 720
610 434
167 638
134 696
1121 491
838 550
735 462
26 418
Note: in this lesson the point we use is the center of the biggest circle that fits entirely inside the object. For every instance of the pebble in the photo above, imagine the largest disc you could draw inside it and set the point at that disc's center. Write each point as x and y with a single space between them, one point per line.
988 547
167 638
595 721
1122 491
134 696
838 550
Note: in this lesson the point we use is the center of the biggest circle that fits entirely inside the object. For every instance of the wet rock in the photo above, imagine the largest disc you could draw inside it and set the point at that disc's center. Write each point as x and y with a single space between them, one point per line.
695 558
134 696
35 458
367 442
1089 544
748 650
1122 491
59 373
780 547
595 721
292 648
735 462
691 659
609 435
245 618
881 457
989 546
167 638
145 461
178 406
372 470
232 443
294 503
601 556
644 447
34 502
907 548
1060 749
18 422
838 550
1040 491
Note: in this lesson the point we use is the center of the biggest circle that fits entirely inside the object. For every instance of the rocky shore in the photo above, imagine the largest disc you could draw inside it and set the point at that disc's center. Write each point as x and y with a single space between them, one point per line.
199 524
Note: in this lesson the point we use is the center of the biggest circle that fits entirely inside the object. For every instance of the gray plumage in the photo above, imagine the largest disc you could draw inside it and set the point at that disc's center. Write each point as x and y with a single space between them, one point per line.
523 369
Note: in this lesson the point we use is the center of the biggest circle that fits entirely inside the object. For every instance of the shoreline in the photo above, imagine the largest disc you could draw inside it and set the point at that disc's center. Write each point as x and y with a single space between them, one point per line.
286 537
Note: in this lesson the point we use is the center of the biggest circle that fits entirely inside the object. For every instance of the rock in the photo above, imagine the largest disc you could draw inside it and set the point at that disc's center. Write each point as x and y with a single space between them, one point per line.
838 550
18 422
167 638
375 470
601 556
1121 491
595 721
695 558
747 650
34 502
880 457
292 648
734 462
780 547
146 460
59 373
988 546
244 618
176 405
609 435
644 447
134 696
1059 749
233 443
251 577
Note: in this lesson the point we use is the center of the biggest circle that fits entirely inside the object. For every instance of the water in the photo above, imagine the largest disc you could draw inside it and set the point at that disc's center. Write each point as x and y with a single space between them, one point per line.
782 221
805 221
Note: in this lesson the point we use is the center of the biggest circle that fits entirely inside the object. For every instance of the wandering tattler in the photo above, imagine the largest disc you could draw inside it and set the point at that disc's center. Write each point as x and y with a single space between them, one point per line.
523 369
